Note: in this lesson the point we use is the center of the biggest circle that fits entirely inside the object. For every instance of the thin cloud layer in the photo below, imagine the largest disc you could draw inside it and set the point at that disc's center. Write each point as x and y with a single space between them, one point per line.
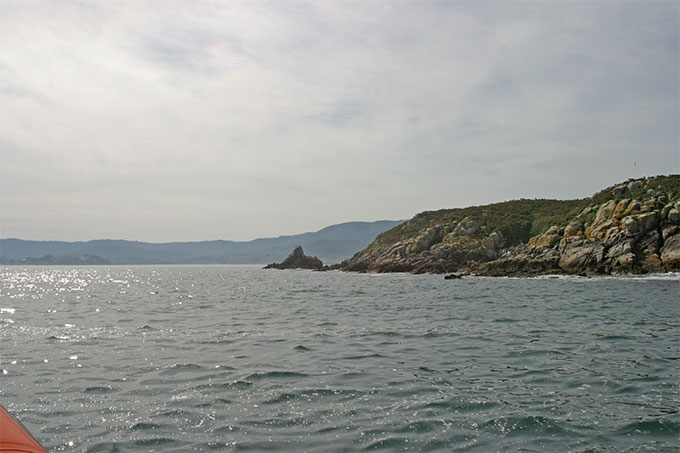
168 121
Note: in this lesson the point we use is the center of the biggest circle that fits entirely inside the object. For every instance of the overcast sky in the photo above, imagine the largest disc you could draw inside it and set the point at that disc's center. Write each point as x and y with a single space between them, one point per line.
181 121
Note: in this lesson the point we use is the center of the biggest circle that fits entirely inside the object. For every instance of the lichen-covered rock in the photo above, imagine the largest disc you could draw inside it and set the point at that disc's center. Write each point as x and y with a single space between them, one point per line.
631 225
467 227
633 206
605 211
545 240
647 221
621 207
573 229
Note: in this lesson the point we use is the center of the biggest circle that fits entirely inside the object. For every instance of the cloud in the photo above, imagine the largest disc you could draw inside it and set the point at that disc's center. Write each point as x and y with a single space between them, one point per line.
265 118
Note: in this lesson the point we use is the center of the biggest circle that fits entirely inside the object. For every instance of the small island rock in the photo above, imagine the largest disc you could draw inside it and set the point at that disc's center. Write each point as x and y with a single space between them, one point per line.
298 260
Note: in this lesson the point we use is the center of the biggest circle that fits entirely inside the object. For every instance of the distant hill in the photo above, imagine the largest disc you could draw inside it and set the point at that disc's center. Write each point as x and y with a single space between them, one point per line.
331 244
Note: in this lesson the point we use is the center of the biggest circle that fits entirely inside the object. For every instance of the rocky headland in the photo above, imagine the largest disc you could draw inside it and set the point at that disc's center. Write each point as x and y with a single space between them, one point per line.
630 228
298 260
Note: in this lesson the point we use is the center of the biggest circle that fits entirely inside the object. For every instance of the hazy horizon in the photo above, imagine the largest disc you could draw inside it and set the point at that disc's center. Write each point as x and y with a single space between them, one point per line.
278 236
171 121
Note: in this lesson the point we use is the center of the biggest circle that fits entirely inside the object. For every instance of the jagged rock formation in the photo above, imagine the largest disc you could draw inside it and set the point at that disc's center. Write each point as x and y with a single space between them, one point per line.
298 260
630 228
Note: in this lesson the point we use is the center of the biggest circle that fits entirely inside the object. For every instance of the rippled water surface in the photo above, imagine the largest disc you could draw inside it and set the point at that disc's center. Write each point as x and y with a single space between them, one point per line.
238 358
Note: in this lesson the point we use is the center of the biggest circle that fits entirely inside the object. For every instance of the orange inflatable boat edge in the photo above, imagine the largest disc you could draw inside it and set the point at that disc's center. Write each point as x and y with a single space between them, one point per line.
14 437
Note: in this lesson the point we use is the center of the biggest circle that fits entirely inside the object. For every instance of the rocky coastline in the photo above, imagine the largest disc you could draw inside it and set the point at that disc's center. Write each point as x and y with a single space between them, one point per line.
630 228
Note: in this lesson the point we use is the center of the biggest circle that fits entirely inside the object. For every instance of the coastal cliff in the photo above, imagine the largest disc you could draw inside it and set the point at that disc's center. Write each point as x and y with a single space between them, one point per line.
629 228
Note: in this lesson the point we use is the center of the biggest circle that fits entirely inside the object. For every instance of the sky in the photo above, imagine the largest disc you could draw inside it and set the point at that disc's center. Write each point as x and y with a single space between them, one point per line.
179 120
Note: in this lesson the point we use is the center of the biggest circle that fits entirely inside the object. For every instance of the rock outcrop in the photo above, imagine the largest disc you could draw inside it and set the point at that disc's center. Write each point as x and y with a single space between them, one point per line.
630 228
298 260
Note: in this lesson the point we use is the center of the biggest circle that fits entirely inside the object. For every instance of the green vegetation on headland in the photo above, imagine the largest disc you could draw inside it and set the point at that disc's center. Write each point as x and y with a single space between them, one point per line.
628 228
516 220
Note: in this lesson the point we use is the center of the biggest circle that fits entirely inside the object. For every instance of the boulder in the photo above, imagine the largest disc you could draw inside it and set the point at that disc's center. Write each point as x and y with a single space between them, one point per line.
620 257
586 210
619 190
670 253
634 185
620 248
630 225
647 253
674 216
621 207
545 240
633 206
298 260
573 229
467 227
665 210
428 238
582 256
669 230
647 221
605 211
521 261
494 241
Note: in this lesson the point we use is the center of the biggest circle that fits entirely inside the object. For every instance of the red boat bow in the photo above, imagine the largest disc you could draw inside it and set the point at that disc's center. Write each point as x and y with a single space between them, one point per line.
14 437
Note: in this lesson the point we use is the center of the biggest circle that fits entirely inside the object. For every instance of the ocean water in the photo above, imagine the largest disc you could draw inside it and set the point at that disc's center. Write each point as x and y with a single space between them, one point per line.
236 358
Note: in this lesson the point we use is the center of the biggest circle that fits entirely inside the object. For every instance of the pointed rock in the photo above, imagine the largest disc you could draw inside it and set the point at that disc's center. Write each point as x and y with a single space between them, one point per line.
298 260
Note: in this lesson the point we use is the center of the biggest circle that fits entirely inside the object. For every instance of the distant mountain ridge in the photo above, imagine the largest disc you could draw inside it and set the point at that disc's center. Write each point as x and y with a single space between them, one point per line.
331 244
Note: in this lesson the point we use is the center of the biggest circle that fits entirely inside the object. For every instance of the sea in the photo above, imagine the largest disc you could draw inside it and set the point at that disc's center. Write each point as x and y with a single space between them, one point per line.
237 358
